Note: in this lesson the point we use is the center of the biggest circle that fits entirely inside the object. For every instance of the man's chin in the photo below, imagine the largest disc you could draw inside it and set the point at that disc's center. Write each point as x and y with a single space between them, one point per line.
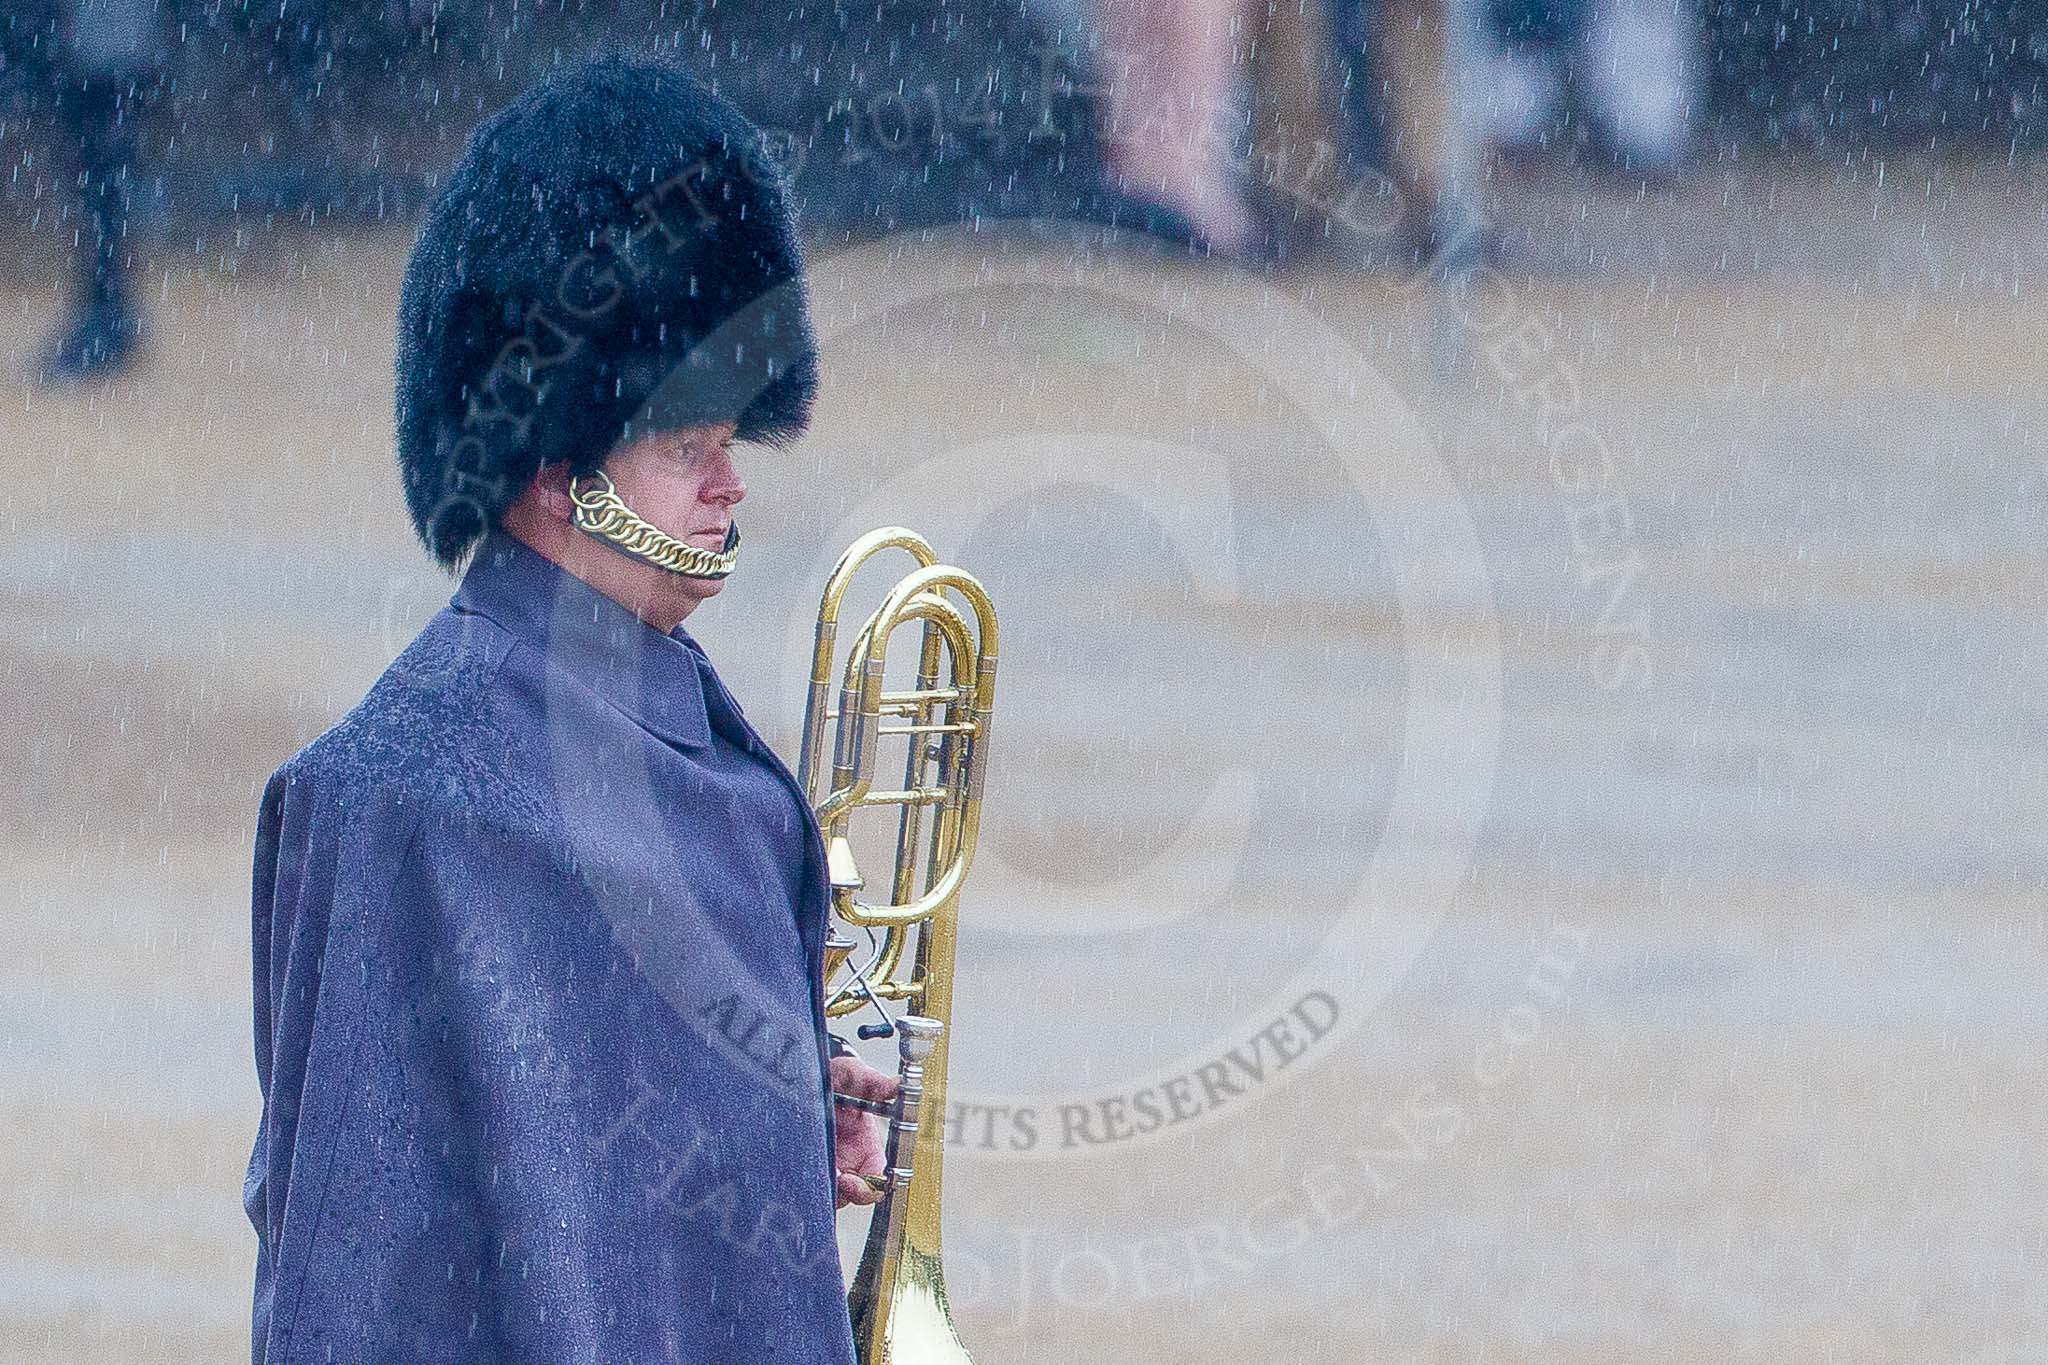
697 589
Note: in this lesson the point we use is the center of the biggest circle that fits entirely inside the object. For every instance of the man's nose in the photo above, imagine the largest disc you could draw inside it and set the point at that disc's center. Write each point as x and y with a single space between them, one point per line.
723 484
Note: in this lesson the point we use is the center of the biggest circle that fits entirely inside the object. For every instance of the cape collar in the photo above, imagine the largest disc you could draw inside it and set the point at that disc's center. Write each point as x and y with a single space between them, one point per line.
652 678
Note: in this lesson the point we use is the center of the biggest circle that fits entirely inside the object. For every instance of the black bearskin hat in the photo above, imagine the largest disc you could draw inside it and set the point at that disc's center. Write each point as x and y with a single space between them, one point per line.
614 254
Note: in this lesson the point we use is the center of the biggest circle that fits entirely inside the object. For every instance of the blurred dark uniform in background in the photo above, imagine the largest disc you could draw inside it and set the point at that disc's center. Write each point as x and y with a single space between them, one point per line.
93 60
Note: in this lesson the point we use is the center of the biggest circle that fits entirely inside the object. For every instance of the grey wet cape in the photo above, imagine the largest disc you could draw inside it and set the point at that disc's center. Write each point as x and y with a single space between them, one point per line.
538 932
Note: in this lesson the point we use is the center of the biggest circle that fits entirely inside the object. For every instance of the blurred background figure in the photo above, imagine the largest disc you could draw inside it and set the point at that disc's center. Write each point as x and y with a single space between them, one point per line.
1169 75
1632 68
1218 117
1406 76
95 58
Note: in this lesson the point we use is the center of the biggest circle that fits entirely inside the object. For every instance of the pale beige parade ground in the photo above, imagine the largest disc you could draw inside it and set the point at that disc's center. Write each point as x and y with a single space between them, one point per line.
1516 819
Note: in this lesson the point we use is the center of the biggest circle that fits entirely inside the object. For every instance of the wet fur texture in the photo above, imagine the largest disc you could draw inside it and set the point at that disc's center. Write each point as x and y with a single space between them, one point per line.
614 253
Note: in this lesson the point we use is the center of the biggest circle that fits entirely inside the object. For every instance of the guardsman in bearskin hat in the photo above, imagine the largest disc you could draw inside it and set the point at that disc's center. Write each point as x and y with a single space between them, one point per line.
539 924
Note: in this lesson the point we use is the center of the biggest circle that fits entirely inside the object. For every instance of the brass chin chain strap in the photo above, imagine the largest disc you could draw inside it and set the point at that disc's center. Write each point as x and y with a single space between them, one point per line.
602 512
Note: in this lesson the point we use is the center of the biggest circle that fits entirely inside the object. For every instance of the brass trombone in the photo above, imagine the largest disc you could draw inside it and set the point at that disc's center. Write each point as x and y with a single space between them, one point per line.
898 1299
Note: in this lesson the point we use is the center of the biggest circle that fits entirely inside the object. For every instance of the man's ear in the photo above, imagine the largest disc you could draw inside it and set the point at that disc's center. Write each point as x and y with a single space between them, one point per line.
551 487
